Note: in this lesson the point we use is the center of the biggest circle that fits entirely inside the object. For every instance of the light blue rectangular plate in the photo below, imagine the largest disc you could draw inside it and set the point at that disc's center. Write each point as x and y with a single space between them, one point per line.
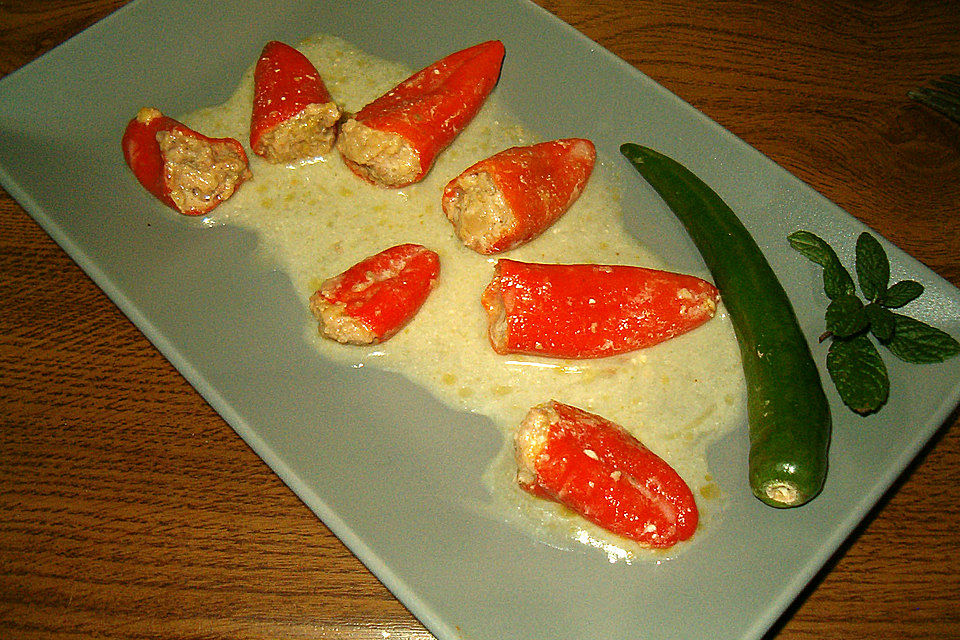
342 439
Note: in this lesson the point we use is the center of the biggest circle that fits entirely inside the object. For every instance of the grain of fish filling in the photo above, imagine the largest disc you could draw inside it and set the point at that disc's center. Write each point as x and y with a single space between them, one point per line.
197 171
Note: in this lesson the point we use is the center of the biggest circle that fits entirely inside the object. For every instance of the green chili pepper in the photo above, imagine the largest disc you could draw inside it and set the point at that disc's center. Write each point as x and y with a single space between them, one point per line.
788 413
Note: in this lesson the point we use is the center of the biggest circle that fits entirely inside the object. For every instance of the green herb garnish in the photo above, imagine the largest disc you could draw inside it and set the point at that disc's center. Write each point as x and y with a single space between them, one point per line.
854 363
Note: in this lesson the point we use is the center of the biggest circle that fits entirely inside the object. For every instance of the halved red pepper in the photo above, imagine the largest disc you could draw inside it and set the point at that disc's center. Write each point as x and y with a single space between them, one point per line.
597 469
512 197
372 300
394 140
184 169
590 310
293 116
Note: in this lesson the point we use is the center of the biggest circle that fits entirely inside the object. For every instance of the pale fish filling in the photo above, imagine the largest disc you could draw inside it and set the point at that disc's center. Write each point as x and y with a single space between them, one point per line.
309 134
478 211
198 171
382 157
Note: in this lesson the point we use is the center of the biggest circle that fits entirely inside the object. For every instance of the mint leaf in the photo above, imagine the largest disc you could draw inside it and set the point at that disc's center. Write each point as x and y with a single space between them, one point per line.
854 364
917 342
901 293
873 267
882 322
813 247
858 372
846 316
836 280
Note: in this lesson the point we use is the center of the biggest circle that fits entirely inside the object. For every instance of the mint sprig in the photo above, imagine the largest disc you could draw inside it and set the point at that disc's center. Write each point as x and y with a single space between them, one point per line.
853 324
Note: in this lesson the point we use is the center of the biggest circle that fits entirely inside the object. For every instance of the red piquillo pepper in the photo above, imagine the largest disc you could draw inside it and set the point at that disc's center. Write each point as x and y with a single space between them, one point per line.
512 197
372 300
594 467
394 140
589 310
293 115
186 170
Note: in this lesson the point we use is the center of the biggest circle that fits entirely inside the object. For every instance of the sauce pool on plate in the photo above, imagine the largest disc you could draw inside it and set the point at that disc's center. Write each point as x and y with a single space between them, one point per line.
316 219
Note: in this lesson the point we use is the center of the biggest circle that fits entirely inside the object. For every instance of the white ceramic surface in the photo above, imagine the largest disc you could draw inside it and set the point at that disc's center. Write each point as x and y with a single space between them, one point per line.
341 438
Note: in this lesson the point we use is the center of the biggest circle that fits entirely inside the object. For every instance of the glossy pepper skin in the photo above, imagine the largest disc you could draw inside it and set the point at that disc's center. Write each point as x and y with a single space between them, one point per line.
597 469
512 197
425 112
589 310
293 115
372 300
193 186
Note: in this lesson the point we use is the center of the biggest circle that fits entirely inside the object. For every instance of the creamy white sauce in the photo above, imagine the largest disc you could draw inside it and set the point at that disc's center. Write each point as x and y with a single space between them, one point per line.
318 219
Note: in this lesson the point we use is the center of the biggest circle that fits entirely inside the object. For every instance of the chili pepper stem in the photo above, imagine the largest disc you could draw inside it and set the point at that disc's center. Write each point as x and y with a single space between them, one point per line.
782 493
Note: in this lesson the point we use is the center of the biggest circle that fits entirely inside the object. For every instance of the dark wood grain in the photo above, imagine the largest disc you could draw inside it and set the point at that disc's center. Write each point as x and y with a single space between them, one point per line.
130 509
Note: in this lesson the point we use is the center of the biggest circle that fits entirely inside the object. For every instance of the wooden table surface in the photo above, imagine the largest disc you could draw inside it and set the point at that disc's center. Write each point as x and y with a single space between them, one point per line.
100 540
